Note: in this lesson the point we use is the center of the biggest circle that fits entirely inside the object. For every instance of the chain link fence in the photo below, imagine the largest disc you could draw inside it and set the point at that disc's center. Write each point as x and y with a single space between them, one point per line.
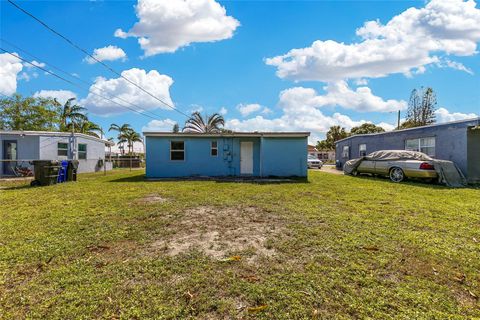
24 168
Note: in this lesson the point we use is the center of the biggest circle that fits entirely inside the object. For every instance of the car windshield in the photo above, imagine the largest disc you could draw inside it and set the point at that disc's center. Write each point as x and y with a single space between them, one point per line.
312 158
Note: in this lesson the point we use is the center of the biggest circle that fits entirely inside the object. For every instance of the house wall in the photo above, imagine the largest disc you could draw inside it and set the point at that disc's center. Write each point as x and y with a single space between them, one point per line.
95 151
198 160
450 142
284 157
27 148
473 157
279 157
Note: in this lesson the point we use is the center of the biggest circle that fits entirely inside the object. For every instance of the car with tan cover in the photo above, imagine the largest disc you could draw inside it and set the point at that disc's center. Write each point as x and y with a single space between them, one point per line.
401 164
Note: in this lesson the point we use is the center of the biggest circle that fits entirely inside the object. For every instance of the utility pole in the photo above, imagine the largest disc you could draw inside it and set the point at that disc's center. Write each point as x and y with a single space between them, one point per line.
398 120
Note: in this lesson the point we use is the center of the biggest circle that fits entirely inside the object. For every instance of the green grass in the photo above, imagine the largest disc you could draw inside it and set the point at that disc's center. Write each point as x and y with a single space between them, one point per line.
343 247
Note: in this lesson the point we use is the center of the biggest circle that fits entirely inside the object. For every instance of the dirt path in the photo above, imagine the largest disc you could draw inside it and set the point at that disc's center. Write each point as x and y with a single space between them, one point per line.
331 169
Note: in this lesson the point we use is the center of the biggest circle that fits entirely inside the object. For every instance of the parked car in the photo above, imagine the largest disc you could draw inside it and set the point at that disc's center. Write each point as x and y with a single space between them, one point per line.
396 164
314 162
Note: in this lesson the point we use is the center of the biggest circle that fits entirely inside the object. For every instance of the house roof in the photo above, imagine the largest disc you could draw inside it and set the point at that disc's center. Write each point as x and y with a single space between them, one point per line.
56 134
229 134
412 129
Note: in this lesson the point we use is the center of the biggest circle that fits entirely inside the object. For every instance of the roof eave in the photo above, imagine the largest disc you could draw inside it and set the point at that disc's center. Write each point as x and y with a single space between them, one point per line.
226 134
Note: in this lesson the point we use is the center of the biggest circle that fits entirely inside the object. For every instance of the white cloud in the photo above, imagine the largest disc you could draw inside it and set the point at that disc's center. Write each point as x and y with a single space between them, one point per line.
195 108
24 76
167 25
297 115
339 94
108 53
119 33
454 65
246 109
10 67
152 81
35 64
267 110
137 148
406 44
387 126
223 111
443 115
61 95
361 82
159 125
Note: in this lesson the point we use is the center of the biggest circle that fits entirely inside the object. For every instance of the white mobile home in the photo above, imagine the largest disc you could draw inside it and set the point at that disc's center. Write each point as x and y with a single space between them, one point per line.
20 147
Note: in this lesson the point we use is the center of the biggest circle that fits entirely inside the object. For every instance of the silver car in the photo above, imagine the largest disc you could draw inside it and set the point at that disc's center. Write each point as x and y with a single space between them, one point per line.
314 162
396 164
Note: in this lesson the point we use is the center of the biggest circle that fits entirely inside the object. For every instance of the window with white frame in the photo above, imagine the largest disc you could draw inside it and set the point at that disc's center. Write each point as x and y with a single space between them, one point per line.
425 145
82 151
214 148
346 152
362 150
62 149
177 150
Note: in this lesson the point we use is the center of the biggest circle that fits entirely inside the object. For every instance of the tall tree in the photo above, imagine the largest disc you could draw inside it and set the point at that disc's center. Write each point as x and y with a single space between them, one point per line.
366 128
131 136
211 124
421 108
88 127
176 128
121 132
36 114
334 134
72 115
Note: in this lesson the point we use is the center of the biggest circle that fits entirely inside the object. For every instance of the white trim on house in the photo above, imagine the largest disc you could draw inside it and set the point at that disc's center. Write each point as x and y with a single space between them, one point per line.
229 135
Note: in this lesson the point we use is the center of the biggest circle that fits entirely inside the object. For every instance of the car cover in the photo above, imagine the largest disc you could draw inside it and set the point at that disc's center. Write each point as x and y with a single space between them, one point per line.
448 172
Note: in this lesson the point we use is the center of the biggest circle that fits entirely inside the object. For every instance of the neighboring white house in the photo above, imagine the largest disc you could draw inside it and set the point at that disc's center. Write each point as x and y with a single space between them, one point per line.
322 155
20 147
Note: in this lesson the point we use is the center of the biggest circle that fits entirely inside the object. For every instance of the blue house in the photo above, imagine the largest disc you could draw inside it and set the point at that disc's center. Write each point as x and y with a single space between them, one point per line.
457 141
256 154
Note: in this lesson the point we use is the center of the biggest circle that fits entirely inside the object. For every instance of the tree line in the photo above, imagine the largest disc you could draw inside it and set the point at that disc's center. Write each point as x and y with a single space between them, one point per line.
421 111
45 114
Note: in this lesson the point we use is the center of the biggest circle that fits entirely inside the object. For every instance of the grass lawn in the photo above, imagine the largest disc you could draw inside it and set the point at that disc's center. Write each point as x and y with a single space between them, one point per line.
341 247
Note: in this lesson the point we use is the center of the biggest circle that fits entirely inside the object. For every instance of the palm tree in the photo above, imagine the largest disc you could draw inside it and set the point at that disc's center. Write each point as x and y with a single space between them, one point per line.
131 136
121 131
196 123
90 128
71 115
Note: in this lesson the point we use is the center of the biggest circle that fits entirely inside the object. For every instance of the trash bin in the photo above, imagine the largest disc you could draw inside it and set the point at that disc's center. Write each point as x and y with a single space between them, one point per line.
72 170
62 173
338 165
46 172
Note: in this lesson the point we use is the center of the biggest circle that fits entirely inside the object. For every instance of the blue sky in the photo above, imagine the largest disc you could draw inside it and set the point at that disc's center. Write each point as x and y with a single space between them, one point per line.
235 57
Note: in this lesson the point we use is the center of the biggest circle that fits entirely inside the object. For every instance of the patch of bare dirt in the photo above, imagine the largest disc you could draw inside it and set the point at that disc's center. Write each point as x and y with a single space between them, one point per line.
151 198
221 232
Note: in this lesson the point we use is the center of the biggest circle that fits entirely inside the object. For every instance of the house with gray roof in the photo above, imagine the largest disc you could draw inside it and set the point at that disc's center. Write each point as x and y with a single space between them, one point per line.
457 141
18 148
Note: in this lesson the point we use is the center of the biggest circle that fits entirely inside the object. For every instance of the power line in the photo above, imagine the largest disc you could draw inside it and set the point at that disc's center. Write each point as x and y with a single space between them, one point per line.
74 84
77 78
92 57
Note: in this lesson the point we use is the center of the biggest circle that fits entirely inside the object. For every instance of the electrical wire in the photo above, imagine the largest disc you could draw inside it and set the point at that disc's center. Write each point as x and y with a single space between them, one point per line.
74 84
76 78
73 44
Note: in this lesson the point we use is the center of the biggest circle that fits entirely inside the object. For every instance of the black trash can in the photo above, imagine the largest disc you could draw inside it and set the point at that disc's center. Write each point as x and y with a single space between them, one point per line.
46 172
72 170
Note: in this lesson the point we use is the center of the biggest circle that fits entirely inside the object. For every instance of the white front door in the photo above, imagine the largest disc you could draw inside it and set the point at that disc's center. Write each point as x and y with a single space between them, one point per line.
246 157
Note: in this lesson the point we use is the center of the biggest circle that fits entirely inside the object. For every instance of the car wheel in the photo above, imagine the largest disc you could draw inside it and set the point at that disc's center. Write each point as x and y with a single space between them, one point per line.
396 175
